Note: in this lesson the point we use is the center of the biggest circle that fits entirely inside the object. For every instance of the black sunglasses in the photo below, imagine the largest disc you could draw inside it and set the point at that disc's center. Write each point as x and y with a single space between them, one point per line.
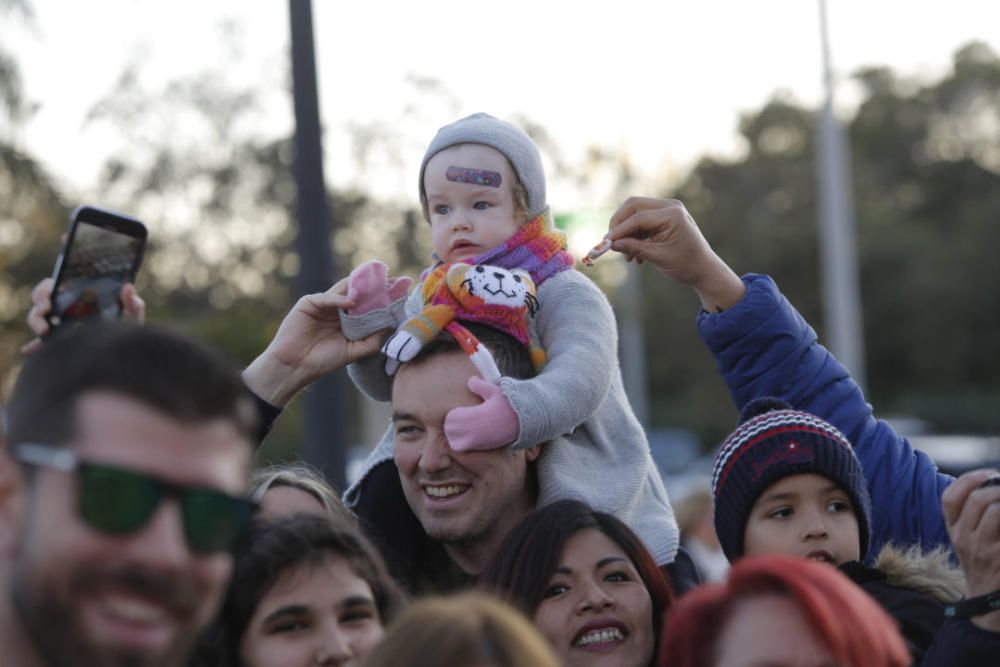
119 501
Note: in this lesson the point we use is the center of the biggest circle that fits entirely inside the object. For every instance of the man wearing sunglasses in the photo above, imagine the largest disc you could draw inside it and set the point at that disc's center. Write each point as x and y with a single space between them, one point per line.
121 495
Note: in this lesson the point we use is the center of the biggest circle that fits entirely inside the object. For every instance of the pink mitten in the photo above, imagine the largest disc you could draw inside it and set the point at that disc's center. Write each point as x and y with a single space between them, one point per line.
368 287
491 424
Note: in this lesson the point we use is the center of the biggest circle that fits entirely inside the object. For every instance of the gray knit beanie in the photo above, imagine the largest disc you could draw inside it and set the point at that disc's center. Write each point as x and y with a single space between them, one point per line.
512 141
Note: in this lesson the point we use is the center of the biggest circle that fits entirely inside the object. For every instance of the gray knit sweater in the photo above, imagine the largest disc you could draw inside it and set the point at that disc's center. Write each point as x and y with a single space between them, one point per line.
596 449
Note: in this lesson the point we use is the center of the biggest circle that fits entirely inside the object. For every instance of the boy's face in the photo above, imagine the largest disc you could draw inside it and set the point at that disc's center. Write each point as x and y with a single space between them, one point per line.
803 515
470 197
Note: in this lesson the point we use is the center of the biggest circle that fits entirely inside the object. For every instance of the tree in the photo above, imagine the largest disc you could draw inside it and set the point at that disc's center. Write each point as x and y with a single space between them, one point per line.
32 213
928 171
925 166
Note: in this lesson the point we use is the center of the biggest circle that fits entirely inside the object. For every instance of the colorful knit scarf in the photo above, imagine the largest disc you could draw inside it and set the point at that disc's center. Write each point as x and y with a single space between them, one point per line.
451 294
460 292
538 248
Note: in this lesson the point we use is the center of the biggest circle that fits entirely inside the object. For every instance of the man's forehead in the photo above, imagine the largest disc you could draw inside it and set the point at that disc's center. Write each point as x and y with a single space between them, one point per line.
114 428
439 380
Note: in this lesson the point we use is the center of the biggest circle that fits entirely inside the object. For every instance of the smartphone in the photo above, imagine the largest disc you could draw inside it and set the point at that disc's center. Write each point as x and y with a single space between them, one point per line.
103 251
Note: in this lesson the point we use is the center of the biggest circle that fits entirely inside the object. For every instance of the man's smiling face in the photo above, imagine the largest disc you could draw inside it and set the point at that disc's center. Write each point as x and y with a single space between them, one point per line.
460 498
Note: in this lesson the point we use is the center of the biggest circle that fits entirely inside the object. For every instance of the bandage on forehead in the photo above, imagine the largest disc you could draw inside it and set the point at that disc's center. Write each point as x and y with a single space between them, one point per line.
473 176
511 141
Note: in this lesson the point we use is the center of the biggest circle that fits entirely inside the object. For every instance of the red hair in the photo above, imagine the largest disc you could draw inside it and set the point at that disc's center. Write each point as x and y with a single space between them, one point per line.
852 625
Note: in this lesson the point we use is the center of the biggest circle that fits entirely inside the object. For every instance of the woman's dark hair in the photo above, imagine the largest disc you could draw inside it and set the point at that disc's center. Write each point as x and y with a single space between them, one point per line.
529 556
272 549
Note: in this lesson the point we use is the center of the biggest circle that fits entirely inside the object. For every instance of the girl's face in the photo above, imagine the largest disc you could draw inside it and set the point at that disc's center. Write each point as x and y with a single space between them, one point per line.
321 614
596 609
470 197
804 515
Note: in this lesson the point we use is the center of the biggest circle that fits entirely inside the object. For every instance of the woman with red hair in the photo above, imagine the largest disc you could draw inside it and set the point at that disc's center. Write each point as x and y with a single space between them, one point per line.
781 610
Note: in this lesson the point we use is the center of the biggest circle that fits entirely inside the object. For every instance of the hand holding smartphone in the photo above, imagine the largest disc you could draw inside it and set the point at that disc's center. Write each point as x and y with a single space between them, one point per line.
103 251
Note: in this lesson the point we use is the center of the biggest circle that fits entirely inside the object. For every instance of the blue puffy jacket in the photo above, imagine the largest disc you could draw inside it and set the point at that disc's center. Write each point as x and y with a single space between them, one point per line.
763 347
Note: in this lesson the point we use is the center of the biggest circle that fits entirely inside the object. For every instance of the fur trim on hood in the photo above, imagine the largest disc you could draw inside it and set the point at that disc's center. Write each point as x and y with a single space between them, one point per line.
932 573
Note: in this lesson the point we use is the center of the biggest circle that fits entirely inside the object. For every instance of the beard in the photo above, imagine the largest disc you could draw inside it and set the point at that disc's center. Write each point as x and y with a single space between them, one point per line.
455 528
460 533
51 612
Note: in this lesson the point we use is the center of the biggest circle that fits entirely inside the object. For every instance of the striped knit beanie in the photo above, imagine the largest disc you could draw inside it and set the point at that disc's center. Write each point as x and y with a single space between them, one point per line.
772 442
508 139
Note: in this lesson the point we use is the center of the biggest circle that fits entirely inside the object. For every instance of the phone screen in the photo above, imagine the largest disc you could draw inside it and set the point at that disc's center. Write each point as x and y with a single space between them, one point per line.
97 263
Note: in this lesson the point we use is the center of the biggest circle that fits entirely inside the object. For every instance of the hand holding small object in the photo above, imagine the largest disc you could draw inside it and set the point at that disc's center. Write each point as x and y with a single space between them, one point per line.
133 308
663 233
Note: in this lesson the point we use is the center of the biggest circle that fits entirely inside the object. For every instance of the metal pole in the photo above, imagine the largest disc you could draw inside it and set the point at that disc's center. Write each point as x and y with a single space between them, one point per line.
632 344
323 443
838 246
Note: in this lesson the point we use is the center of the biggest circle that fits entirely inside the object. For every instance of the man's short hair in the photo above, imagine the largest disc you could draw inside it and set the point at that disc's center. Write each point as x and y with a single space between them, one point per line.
175 374
511 356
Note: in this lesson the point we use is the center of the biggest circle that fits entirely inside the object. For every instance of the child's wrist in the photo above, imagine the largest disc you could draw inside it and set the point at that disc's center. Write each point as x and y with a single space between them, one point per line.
718 286
982 610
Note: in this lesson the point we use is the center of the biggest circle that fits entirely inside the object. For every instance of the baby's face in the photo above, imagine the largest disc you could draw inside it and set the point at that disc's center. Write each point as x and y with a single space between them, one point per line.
470 197
804 515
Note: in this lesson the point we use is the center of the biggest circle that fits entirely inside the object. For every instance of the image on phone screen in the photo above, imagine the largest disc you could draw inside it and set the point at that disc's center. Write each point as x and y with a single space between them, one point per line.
97 264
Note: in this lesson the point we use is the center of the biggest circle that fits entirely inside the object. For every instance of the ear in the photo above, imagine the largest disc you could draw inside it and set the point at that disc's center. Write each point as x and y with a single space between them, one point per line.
525 277
11 498
531 453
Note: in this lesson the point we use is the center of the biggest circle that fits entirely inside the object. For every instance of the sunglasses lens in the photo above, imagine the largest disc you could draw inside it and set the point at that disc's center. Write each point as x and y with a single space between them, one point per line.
114 500
214 521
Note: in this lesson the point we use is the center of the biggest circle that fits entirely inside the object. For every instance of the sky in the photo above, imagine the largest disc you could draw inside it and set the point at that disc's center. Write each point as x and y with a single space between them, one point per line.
665 81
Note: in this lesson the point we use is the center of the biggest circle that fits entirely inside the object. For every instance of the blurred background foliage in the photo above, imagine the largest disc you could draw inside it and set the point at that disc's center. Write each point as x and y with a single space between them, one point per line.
926 168
926 181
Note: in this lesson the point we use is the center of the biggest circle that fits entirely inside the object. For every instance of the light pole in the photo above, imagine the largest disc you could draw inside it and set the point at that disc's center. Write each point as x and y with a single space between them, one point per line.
838 245
324 444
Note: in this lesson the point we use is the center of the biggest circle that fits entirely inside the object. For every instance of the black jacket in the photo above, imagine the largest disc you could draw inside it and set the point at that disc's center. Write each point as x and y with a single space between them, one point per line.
960 643
919 615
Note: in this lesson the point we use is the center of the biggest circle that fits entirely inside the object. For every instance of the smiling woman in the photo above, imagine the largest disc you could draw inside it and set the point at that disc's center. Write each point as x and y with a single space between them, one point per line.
588 582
